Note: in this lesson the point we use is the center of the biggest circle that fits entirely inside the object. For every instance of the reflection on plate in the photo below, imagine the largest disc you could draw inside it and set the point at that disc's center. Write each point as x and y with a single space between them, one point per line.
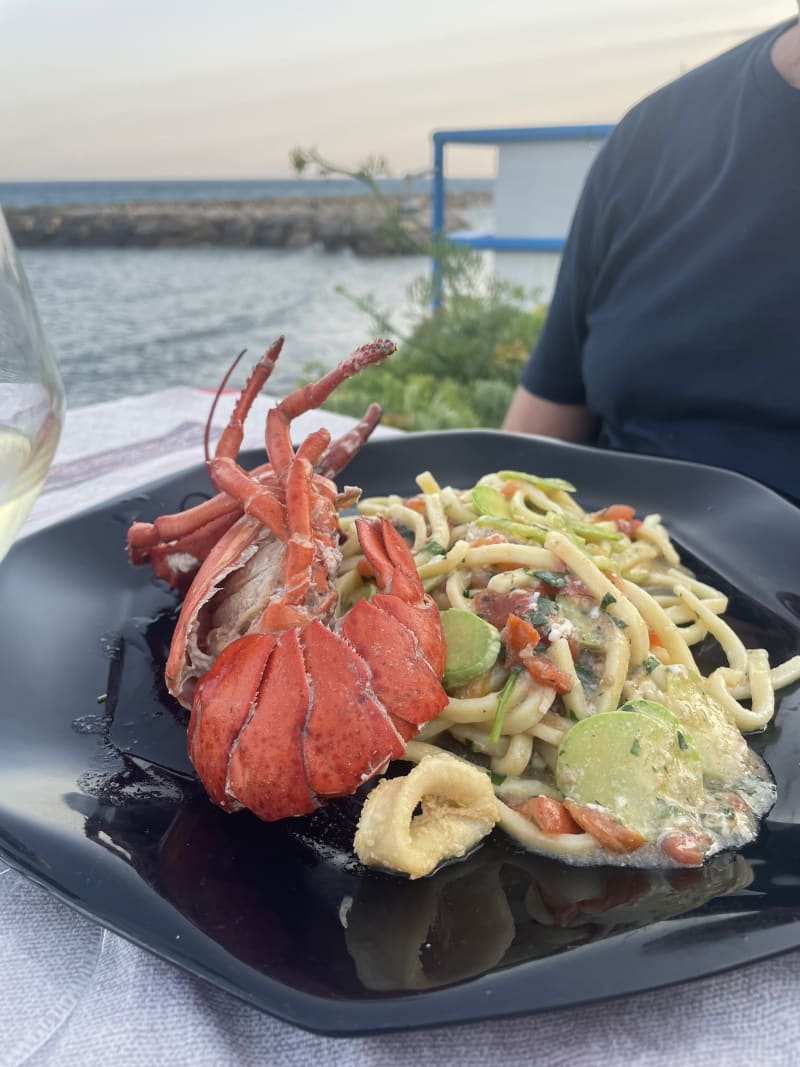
99 803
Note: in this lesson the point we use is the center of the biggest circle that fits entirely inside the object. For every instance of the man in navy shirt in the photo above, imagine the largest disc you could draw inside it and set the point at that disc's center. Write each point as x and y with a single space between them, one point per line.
674 328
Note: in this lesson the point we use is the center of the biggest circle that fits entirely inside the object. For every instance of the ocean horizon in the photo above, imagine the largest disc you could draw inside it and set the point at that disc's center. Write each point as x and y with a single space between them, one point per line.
124 321
132 320
62 193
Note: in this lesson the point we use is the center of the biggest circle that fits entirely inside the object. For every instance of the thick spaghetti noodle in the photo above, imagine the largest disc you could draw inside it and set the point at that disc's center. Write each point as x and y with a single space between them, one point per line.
602 737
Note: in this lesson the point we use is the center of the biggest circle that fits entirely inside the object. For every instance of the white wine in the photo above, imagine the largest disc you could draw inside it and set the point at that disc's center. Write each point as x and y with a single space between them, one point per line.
23 467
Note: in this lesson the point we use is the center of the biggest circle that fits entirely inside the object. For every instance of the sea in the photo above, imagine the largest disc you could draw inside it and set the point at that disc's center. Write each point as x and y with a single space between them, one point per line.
134 320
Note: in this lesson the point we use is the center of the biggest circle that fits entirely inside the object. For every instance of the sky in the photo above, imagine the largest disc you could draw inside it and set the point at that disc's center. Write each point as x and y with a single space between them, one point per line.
114 89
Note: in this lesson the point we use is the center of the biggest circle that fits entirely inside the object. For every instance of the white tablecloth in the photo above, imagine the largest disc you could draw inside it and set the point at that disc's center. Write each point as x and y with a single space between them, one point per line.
74 994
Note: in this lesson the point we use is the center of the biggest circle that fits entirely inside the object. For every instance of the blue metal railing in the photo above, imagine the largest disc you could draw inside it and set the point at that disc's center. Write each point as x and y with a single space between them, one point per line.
494 137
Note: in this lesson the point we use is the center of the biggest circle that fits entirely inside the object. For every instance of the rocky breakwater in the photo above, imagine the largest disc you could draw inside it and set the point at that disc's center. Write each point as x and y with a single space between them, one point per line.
358 223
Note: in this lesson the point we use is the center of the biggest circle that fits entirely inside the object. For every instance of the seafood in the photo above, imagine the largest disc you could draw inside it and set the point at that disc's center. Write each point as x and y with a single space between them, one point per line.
457 809
291 706
176 545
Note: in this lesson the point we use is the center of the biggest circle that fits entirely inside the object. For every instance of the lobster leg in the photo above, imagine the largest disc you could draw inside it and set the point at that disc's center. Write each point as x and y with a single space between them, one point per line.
313 395
231 438
177 561
312 525
341 451
176 545
261 502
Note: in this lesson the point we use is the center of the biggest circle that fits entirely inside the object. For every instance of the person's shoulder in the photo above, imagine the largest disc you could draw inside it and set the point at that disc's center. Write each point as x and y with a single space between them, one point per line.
712 77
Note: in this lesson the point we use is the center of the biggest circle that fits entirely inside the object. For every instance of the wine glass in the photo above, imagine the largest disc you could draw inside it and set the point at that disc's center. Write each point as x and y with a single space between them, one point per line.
31 396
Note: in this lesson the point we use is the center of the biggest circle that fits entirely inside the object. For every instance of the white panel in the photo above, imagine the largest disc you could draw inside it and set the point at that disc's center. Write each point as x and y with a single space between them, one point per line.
538 185
537 188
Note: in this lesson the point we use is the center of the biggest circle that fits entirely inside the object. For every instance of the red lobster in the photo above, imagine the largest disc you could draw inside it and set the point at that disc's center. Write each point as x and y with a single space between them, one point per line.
290 707
176 545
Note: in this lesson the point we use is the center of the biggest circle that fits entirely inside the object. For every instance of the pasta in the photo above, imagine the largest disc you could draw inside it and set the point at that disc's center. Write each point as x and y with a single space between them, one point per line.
578 692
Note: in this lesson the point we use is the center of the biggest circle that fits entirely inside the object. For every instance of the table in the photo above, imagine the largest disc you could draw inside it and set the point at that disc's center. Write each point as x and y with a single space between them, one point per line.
73 993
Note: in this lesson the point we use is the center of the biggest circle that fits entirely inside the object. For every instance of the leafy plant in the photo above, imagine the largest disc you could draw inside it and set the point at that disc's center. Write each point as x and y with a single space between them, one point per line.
459 365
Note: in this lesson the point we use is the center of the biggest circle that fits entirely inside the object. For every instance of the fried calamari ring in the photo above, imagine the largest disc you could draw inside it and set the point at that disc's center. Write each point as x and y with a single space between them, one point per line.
458 810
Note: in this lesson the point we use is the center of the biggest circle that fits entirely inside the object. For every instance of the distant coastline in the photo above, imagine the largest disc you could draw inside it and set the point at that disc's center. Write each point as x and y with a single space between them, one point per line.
93 193
324 215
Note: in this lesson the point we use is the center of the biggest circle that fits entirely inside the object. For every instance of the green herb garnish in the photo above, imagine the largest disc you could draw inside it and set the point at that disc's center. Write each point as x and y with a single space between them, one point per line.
500 714
544 608
585 675
651 663
434 548
557 579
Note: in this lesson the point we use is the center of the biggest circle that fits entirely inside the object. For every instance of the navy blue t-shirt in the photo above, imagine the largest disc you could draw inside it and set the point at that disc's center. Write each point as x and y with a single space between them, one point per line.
676 315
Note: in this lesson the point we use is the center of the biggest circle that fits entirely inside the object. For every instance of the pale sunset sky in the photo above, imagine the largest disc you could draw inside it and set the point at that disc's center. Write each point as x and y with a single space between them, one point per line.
109 89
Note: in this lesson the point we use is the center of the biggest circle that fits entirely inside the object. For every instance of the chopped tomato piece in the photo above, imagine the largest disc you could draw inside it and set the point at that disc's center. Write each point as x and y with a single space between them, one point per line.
623 516
519 634
521 639
610 833
489 539
416 503
549 815
544 671
619 511
628 526
510 487
686 847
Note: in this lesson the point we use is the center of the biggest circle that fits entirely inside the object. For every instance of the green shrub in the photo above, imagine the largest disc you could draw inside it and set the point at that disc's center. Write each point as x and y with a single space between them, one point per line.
460 364
458 367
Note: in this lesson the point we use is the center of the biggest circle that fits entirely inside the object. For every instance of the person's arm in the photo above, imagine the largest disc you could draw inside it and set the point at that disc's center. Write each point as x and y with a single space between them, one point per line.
551 397
529 413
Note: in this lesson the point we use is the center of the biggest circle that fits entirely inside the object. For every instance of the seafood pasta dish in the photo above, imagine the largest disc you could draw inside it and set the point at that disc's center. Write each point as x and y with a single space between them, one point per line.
507 659
571 677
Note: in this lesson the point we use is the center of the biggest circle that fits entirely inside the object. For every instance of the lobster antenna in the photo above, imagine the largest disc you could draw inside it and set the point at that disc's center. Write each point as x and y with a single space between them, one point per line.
217 395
